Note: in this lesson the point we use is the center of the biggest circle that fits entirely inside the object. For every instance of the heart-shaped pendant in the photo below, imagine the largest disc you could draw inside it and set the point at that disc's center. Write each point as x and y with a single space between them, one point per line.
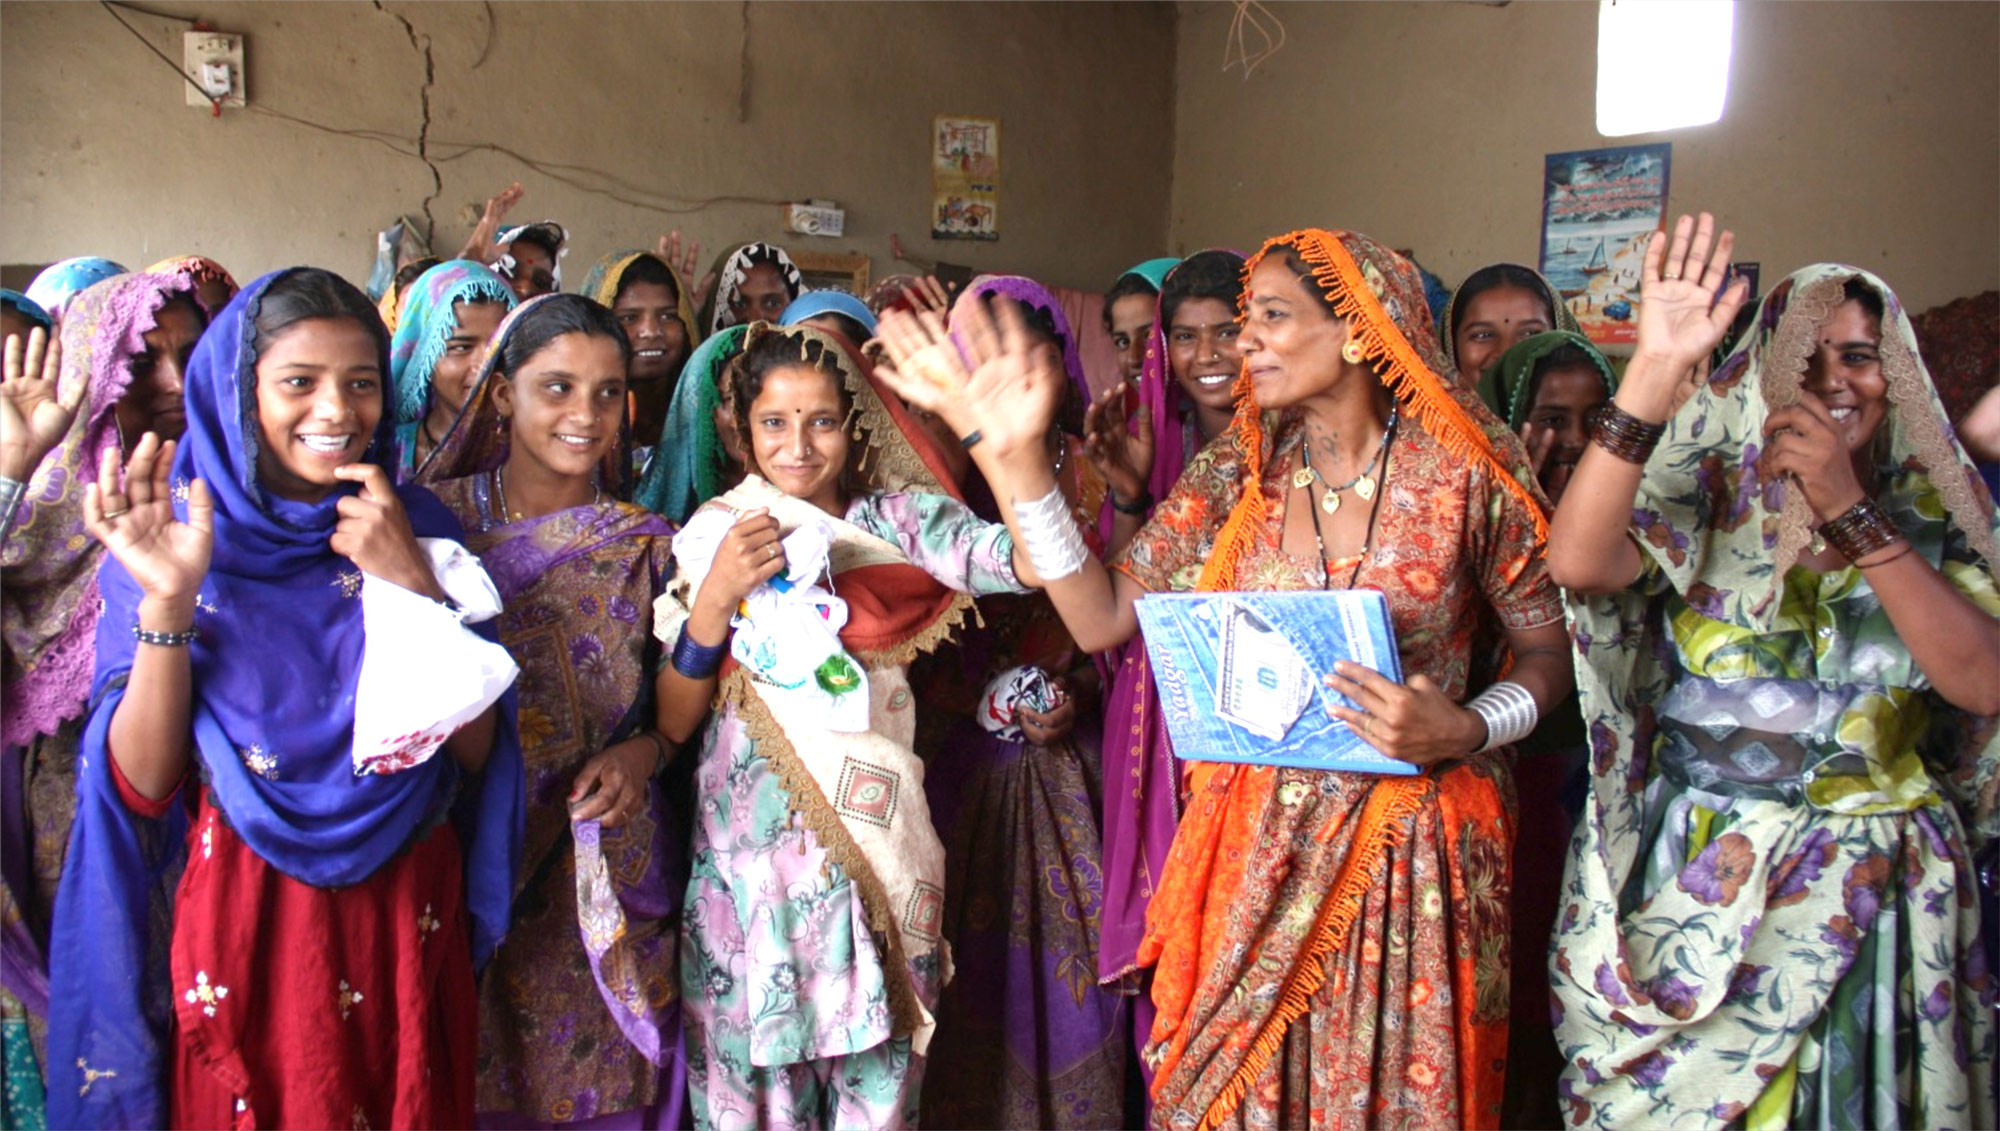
1364 487
1302 478
1330 502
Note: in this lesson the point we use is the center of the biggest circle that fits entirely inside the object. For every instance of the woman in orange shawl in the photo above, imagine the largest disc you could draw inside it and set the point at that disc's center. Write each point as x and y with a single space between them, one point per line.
1330 948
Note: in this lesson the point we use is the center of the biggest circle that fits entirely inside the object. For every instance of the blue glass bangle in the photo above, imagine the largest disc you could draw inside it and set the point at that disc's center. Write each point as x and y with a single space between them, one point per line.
698 661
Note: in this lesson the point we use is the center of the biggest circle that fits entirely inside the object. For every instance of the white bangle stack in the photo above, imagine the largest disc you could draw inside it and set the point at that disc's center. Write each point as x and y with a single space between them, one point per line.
1055 545
1509 711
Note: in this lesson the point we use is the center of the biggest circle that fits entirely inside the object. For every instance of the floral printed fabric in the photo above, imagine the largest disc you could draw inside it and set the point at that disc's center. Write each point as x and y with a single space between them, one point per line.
1410 1024
572 1011
1777 925
781 972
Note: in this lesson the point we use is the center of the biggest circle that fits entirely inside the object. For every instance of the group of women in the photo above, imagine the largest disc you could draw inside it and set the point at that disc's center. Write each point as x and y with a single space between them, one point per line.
833 790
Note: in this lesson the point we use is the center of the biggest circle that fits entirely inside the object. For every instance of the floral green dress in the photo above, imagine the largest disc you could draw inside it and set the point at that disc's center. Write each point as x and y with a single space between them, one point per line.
1770 913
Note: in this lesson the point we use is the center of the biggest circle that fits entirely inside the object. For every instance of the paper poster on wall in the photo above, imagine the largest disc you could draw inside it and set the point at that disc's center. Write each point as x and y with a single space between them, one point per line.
1598 207
965 178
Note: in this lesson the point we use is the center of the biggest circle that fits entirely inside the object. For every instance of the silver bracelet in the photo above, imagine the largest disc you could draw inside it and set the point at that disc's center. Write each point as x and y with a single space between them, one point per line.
11 493
1055 545
1509 712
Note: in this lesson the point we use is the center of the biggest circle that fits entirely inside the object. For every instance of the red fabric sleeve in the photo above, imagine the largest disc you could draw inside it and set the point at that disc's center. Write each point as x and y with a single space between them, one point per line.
137 802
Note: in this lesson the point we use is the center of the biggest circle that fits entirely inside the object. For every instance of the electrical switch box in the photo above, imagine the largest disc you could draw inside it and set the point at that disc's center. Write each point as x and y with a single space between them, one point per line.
213 62
816 218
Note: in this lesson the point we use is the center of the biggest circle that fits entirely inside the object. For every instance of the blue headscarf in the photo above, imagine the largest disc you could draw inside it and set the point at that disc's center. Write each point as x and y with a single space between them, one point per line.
428 321
29 308
276 665
688 471
52 288
812 304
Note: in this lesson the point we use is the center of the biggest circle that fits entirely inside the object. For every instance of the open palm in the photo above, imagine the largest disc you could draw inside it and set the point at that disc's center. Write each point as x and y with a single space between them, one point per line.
166 557
32 418
1683 309
1123 456
995 379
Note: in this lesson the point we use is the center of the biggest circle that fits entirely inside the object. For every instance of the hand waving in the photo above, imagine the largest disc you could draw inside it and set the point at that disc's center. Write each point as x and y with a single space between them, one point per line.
1681 317
1008 395
32 418
685 259
166 557
1122 456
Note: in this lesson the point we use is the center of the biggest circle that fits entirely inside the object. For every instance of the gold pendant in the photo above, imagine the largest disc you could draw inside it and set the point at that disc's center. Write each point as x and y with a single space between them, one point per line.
1817 545
1302 478
1364 487
1330 502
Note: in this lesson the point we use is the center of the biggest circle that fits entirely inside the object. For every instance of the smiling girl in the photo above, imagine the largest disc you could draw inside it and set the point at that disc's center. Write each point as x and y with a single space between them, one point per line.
531 469
811 958
312 965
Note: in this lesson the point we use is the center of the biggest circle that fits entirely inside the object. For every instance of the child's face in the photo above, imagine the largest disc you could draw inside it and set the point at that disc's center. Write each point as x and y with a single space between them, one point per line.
1565 401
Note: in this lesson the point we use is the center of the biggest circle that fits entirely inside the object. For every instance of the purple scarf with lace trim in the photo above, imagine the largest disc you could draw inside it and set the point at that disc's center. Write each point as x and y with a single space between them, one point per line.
49 606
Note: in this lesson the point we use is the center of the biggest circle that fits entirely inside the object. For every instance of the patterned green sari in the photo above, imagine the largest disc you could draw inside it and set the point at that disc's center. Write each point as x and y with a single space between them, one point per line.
1770 912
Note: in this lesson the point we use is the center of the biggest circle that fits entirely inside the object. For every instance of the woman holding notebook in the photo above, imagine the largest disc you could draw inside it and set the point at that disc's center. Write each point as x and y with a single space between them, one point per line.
1328 947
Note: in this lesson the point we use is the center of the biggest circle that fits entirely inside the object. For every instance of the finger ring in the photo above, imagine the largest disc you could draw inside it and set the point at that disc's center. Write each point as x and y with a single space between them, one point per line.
1669 275
773 547
109 515
1368 728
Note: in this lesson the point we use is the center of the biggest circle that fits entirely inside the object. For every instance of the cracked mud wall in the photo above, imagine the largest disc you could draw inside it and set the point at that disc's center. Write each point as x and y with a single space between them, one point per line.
99 155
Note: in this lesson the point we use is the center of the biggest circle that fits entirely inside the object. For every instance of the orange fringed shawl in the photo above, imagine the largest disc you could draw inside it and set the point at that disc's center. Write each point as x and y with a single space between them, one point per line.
1419 379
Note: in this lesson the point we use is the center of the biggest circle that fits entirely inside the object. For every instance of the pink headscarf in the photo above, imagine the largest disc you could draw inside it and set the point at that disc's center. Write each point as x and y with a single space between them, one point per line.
49 606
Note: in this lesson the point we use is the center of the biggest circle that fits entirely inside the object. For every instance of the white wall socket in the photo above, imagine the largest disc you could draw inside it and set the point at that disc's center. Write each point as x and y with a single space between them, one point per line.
816 218
214 61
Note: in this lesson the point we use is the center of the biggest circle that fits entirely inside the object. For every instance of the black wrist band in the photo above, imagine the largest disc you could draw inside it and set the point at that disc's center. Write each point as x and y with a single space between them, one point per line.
971 438
1138 506
164 639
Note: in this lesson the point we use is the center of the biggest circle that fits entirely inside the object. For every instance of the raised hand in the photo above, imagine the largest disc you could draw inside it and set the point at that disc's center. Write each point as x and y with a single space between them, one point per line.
685 261
32 417
374 533
479 246
1123 457
1681 317
996 379
928 294
1540 442
167 558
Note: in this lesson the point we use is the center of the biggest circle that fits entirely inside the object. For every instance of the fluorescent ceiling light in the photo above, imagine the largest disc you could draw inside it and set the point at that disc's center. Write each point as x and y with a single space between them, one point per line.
1662 64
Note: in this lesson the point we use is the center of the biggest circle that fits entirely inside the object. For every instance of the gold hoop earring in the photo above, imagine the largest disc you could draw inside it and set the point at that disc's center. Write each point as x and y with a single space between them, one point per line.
1352 352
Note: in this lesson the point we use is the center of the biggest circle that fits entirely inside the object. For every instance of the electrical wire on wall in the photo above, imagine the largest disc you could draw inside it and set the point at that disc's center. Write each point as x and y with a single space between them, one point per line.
582 178
1252 16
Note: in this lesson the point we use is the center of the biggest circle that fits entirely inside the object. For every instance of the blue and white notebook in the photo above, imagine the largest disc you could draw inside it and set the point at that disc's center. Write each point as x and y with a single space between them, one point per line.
1240 674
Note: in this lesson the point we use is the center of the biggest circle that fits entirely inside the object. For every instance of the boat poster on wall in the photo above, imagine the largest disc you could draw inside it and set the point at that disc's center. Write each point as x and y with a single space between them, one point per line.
1598 207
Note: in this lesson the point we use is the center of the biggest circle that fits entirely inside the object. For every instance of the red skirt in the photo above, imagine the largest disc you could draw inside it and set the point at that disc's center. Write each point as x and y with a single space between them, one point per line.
297 1006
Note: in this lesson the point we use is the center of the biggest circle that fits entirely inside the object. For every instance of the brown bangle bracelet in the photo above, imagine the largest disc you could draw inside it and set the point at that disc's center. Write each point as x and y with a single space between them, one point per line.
1624 435
1907 547
1860 530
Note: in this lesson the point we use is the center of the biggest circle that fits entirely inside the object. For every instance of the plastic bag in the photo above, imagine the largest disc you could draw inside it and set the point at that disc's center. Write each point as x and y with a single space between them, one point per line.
423 673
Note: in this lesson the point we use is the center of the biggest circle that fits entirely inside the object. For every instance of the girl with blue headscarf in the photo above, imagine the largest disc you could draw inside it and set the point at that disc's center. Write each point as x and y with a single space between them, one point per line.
249 930
52 289
451 311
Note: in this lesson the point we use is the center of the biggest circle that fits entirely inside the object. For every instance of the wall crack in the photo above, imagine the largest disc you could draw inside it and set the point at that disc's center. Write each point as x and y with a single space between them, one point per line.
421 44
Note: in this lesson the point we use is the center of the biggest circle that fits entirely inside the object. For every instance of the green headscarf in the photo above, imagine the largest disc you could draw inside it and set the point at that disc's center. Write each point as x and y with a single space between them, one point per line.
1505 387
687 468
1154 271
